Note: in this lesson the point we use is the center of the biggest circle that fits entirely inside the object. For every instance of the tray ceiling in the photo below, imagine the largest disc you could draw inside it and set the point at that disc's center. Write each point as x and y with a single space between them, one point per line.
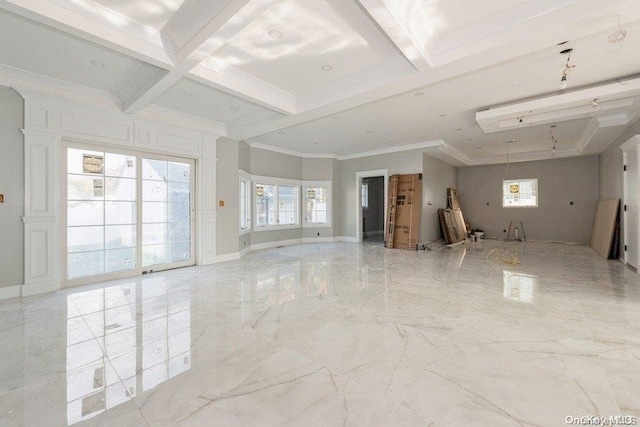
347 77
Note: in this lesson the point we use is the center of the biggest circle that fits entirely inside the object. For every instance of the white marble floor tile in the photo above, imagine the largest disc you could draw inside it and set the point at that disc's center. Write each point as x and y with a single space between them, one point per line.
333 335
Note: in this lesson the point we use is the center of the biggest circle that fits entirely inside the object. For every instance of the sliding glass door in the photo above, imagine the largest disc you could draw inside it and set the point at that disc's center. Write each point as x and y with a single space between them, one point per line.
126 213
166 212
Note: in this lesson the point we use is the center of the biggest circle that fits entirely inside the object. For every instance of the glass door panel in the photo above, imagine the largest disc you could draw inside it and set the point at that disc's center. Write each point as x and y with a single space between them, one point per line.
167 226
101 213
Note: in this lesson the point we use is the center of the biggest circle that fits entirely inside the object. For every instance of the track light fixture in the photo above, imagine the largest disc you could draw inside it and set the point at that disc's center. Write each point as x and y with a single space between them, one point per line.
567 68
619 35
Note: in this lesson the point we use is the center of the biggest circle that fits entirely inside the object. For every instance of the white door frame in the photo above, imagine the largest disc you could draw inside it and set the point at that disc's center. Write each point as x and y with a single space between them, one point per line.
370 174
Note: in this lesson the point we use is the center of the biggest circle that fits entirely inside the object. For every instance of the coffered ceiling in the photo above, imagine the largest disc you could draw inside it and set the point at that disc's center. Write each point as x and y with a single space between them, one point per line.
348 77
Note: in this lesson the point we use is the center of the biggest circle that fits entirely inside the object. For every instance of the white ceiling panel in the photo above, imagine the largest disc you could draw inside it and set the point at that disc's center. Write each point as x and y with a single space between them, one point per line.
290 43
199 100
34 48
152 13
452 15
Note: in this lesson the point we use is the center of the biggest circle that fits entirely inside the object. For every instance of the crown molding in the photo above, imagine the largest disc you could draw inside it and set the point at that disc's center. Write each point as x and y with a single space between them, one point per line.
397 149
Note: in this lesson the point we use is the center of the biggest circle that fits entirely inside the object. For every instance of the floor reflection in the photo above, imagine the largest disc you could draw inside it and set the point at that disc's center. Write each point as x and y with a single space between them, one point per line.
122 339
520 287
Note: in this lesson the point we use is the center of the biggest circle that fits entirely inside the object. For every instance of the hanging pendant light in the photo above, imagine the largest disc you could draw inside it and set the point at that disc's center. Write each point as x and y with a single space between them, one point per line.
567 68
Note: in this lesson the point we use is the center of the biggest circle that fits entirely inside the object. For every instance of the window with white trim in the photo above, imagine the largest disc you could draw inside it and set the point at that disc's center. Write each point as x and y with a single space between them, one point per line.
245 203
277 205
365 195
317 204
520 193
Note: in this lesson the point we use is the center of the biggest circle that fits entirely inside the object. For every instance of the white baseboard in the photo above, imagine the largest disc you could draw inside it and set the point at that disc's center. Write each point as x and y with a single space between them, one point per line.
10 292
39 288
346 239
245 251
275 244
318 239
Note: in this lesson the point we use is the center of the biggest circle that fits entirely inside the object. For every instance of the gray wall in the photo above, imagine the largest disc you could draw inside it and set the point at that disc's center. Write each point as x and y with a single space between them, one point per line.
12 186
437 176
374 215
276 165
244 156
227 189
404 162
317 169
611 180
560 181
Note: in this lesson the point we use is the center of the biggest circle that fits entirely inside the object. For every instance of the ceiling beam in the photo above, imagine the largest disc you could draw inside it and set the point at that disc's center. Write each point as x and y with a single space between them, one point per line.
612 98
412 49
202 29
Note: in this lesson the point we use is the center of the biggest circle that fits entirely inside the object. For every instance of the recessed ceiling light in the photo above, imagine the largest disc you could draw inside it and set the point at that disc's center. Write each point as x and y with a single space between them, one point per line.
336 117
479 147
442 116
281 133
187 93
368 131
458 129
275 34
419 94
326 68
342 151
234 108
469 139
98 64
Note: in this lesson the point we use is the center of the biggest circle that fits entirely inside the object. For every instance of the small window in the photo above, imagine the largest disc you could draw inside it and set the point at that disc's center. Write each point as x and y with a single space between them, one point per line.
317 200
277 205
520 193
245 203
365 195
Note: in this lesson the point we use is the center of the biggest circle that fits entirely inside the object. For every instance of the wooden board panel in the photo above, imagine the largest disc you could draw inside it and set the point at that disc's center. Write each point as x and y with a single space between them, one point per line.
453 199
460 225
604 223
454 229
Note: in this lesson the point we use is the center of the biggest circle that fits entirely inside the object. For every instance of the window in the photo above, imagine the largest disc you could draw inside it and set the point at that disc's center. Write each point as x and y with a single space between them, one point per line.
245 203
101 212
277 205
317 204
520 193
126 212
365 195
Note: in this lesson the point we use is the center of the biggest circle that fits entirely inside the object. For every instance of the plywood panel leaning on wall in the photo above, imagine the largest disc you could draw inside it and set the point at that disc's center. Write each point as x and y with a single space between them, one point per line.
604 227
403 215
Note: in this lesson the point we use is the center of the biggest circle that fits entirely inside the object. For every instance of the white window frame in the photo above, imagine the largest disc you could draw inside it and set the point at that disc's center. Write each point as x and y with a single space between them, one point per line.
365 195
506 182
277 182
316 184
246 203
